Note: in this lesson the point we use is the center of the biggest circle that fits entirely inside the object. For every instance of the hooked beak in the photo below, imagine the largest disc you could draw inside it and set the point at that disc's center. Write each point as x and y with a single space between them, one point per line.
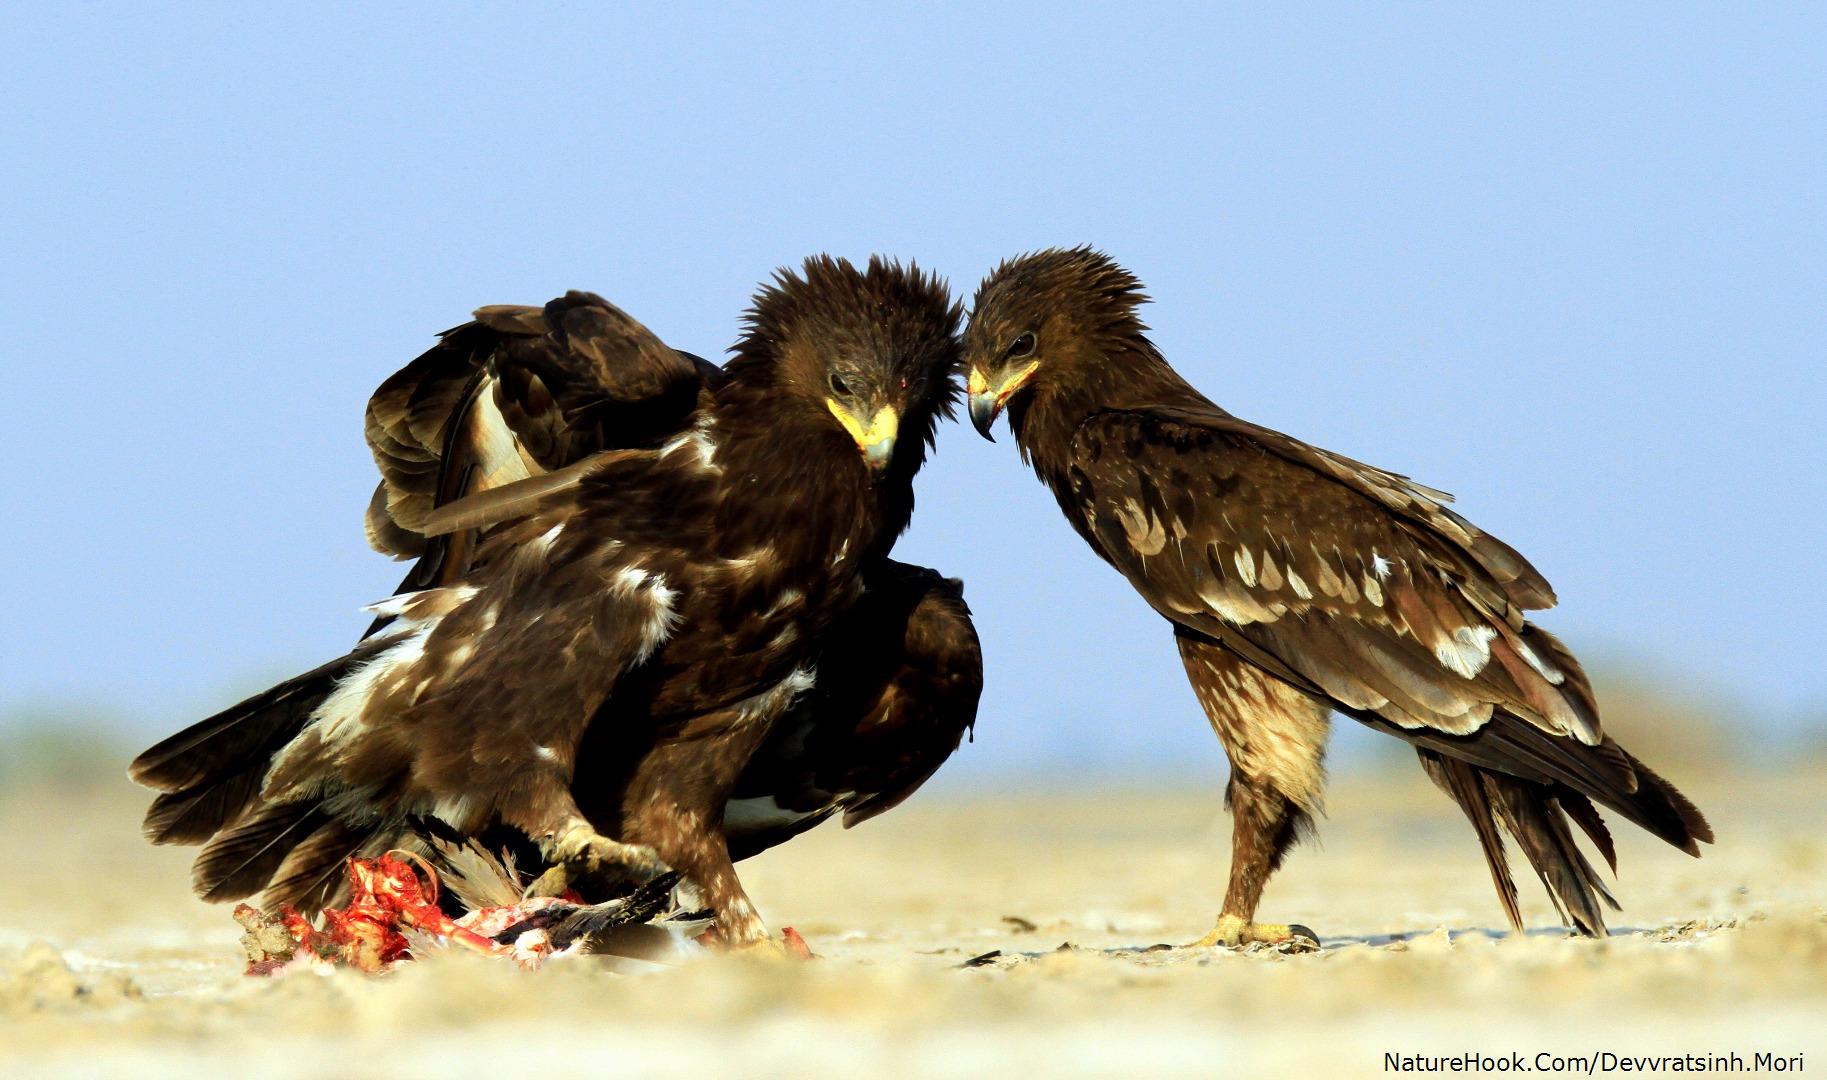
986 401
876 441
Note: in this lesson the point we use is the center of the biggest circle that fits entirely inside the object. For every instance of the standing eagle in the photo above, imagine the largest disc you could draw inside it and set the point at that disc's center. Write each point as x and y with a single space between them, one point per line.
1299 583
633 568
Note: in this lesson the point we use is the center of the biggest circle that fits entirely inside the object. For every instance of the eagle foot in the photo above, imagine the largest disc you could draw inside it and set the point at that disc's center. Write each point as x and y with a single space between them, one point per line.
587 863
1236 932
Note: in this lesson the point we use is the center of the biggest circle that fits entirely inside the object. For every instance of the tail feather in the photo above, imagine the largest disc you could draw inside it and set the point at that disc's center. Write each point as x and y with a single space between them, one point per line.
242 861
314 874
1586 816
223 745
1678 820
210 775
1535 820
1460 781
193 816
1605 773
1535 816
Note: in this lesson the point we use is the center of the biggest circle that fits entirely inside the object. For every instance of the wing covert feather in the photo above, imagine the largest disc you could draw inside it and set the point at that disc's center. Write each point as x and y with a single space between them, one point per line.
518 392
1351 582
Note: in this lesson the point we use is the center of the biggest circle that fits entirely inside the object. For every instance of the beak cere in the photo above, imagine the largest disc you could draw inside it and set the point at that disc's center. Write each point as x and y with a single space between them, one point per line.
986 401
875 441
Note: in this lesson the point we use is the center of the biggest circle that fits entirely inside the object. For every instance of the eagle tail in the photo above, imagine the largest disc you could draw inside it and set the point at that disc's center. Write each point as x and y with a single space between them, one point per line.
209 774
292 853
1605 773
315 873
1536 816
1460 782
241 859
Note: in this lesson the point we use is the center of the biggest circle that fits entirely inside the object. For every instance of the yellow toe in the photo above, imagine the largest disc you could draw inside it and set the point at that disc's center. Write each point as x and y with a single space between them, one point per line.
1235 932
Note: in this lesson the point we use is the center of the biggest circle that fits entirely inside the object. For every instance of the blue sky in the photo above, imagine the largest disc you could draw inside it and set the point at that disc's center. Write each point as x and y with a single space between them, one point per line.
1569 264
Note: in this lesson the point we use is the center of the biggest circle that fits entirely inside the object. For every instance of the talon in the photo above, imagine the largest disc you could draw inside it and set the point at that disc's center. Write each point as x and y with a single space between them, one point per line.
1235 932
583 860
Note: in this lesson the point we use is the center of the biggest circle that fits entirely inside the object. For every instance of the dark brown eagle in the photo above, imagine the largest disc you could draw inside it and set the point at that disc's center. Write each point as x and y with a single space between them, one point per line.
651 623
1299 583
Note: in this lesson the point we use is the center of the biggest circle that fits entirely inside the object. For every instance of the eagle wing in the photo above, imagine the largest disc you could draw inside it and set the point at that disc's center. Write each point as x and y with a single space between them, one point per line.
1347 581
518 392
899 681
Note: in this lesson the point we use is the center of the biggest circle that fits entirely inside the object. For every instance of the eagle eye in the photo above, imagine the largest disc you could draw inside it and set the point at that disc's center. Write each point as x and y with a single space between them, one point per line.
837 384
1023 345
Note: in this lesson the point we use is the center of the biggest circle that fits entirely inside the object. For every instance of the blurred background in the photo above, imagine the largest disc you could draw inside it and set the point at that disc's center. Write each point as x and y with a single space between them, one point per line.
1566 263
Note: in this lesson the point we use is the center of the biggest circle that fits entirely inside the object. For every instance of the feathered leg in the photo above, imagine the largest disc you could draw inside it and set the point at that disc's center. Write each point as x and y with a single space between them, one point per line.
1275 738
674 803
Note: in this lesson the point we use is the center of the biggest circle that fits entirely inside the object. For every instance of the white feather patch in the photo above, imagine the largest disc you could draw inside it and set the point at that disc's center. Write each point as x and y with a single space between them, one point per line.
785 600
699 440
1143 531
1329 582
1246 565
1468 651
661 617
543 542
427 604
1270 574
750 561
771 702
1547 671
455 811
341 717
393 605
1234 607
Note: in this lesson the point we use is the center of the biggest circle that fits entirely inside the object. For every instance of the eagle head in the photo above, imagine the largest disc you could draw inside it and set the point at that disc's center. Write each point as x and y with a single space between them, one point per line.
873 351
1039 317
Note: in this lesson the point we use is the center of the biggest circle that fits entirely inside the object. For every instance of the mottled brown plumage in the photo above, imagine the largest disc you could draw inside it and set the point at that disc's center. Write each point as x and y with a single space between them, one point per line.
900 676
629 563
518 392
1298 582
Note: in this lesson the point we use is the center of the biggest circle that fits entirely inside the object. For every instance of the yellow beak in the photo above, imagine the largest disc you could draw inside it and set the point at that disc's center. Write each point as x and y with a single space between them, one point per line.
875 441
986 401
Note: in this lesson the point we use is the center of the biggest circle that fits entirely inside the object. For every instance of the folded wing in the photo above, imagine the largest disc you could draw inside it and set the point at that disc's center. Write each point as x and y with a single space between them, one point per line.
1345 580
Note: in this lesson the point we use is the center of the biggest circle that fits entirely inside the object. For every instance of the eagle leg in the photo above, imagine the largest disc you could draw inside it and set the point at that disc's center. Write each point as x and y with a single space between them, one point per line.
578 855
1275 738
675 801
1265 824
685 826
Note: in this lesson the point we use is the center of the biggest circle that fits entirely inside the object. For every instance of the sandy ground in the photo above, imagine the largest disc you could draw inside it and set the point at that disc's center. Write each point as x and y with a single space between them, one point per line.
108 967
